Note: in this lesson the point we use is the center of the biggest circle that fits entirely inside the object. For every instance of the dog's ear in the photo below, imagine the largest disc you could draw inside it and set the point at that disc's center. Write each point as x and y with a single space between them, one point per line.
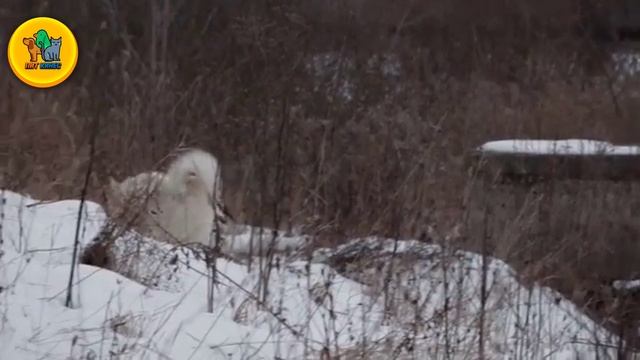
114 186
113 194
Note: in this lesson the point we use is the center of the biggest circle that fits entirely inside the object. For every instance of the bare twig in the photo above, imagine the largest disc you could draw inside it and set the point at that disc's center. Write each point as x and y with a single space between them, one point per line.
83 195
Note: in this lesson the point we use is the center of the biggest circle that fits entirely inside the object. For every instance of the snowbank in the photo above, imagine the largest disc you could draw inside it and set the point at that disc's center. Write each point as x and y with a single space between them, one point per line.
430 307
248 240
559 147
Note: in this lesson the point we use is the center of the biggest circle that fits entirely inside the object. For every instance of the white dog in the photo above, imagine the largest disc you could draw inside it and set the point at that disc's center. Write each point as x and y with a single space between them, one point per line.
180 206
184 205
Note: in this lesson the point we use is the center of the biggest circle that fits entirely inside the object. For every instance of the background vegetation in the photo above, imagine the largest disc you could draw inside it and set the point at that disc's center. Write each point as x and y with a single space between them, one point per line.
347 118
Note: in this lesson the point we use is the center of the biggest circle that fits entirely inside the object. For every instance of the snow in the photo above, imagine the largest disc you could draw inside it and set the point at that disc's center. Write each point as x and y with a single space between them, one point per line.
560 147
247 240
626 285
430 308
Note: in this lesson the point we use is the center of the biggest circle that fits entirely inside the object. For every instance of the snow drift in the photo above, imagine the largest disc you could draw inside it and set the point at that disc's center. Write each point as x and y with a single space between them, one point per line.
399 299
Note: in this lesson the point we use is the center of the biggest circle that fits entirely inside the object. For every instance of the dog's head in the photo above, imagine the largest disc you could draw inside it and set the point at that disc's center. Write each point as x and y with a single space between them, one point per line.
30 42
136 201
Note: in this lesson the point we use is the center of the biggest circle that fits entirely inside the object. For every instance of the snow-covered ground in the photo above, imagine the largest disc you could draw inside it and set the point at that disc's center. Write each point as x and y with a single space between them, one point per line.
561 147
403 299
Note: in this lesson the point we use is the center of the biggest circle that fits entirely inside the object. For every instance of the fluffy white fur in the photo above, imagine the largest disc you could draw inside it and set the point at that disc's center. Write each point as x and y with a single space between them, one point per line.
178 206
135 186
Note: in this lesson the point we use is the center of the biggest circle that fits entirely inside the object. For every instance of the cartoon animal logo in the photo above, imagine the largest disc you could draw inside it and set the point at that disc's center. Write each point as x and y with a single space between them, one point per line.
48 63
41 44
